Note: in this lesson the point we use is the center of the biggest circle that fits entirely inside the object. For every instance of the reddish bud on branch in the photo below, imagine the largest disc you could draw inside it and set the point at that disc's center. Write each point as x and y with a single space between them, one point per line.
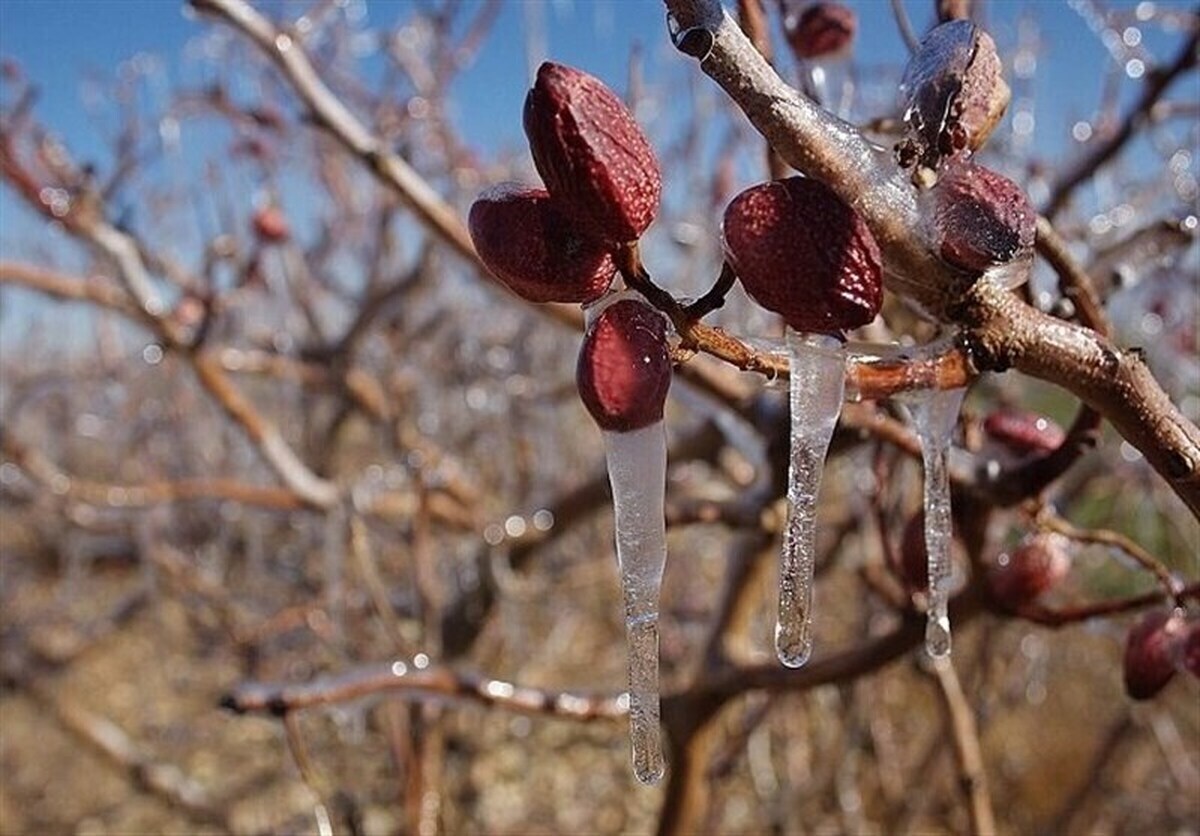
981 218
531 248
270 225
593 157
624 368
1149 665
803 253
1034 567
1024 432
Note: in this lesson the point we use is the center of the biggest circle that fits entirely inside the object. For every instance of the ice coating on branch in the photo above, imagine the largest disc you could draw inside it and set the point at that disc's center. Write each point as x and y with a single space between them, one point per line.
817 382
529 246
637 471
623 376
935 414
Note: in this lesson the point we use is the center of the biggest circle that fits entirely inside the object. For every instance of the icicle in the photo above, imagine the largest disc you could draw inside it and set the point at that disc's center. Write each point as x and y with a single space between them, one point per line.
817 383
935 413
637 469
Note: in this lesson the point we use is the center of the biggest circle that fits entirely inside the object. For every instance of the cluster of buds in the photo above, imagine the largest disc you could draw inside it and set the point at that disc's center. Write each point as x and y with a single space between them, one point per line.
602 190
953 96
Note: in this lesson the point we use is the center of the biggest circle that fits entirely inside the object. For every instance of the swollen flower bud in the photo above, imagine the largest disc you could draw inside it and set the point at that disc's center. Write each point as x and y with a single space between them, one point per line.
534 251
624 368
593 157
803 253
1035 566
981 219
820 30
1149 665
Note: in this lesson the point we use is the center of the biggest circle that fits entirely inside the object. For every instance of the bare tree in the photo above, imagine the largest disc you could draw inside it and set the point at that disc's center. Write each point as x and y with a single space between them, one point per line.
340 481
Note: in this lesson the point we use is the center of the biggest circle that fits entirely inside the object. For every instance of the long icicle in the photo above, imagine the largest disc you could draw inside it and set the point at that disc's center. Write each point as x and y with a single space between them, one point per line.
935 413
817 384
637 468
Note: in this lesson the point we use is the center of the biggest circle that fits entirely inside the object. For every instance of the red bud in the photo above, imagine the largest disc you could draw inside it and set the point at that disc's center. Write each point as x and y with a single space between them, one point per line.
803 253
624 368
820 30
270 225
534 251
592 155
1035 566
1148 654
981 218
1024 432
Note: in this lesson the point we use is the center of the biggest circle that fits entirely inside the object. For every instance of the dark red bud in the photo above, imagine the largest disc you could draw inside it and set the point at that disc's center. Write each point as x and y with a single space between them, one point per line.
803 253
270 225
981 218
1032 568
820 30
592 155
534 251
1024 432
1148 654
624 368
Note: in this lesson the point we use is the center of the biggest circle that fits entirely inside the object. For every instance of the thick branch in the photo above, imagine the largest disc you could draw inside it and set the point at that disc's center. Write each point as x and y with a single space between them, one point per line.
1007 333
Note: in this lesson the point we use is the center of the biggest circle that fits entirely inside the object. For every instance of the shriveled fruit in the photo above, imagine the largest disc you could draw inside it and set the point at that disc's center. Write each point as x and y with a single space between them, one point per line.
980 218
953 94
1024 432
820 30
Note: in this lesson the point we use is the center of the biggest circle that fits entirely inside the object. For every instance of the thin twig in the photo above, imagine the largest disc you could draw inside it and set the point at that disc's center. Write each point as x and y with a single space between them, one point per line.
1156 84
972 776
1172 586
